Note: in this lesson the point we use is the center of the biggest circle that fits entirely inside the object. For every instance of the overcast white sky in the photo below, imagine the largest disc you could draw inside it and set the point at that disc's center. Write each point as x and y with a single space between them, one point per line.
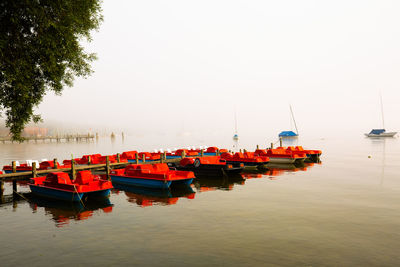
174 66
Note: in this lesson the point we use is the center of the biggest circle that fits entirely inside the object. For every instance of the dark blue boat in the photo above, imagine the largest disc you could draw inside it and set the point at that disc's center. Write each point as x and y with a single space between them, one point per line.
288 134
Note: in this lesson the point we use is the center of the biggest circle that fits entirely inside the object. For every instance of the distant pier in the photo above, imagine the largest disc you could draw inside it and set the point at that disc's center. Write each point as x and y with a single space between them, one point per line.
56 138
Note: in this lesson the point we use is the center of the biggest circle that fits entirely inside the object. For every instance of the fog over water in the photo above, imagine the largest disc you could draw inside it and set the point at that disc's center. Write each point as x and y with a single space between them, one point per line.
172 74
180 68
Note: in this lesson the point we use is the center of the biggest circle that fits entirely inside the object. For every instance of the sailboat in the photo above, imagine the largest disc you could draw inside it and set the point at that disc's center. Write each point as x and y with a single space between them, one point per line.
290 134
381 132
235 136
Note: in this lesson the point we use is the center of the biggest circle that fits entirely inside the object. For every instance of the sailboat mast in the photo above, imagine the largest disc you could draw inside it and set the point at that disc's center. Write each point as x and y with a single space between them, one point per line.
235 122
295 125
383 120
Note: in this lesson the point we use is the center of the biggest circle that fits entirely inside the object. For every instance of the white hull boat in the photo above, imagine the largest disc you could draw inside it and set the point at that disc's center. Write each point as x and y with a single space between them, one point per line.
381 132
384 134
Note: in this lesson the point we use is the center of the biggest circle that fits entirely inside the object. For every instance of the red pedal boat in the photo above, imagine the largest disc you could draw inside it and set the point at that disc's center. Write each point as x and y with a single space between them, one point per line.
209 166
280 155
312 155
247 158
152 176
58 185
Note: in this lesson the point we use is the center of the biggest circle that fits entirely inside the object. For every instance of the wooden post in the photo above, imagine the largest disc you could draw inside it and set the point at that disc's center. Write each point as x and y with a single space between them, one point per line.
217 153
240 150
54 163
14 182
280 141
165 155
272 145
34 172
137 158
144 158
258 147
89 160
108 167
73 170
14 166
14 186
118 158
244 150
161 158
183 154
202 153
1 190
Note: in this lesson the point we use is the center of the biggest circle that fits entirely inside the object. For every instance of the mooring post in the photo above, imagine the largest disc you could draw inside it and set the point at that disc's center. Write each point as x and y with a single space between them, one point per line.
144 158
73 170
14 166
165 155
244 150
161 158
240 150
34 171
14 182
272 145
89 160
217 153
1 190
183 154
108 167
14 186
54 164
202 153
118 158
137 158
258 147
280 141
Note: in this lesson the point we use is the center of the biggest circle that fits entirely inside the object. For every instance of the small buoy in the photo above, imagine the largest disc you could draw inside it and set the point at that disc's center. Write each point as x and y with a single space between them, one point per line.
369 157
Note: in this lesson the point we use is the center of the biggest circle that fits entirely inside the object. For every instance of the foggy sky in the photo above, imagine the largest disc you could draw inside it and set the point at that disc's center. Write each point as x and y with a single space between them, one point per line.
181 67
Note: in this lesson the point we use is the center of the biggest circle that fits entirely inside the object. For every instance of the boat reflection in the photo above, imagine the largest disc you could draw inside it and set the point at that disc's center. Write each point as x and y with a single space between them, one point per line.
276 169
63 212
145 197
216 183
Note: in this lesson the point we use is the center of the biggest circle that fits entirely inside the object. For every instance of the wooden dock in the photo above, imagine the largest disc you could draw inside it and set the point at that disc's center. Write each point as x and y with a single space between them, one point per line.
56 138
107 167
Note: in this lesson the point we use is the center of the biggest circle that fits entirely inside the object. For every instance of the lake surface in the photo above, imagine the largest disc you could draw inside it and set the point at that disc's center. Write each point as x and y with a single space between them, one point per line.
342 212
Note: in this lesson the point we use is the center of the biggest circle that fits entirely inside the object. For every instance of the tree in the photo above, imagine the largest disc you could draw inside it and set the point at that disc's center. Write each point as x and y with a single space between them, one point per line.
40 51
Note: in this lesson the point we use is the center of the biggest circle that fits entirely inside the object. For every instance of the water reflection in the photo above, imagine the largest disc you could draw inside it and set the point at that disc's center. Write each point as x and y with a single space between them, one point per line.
276 169
380 143
218 183
63 212
145 197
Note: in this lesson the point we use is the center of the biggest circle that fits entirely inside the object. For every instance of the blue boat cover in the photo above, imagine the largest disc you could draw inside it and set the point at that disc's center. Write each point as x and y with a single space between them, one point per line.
377 131
287 133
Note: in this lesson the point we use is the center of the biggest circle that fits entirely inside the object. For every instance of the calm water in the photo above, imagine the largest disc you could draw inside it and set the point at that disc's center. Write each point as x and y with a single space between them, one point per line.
343 212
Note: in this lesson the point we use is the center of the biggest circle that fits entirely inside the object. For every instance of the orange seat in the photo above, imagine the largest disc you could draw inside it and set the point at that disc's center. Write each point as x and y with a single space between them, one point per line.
84 177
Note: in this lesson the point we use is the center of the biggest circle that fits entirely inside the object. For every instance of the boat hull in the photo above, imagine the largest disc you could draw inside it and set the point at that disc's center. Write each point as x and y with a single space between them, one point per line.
211 170
54 193
389 134
10 171
289 137
149 183
246 163
282 160
140 161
